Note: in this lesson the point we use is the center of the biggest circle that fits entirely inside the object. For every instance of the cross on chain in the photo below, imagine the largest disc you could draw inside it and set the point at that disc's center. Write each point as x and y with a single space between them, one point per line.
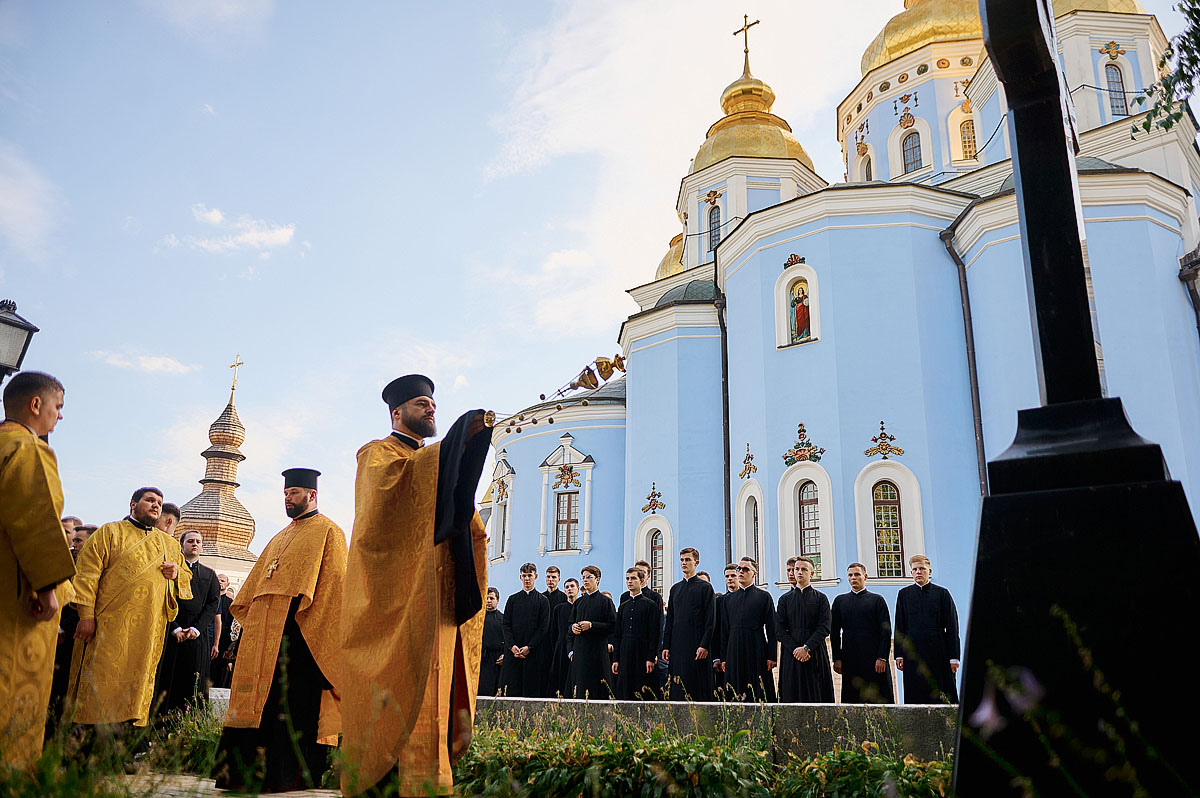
745 31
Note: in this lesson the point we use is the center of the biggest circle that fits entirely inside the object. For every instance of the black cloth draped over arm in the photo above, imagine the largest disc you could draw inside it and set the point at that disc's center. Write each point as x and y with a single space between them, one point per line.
460 465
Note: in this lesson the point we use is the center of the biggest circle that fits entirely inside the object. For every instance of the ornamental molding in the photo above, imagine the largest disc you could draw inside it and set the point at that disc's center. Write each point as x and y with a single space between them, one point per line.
566 477
884 444
740 166
748 466
1112 50
663 320
653 505
569 465
647 294
803 450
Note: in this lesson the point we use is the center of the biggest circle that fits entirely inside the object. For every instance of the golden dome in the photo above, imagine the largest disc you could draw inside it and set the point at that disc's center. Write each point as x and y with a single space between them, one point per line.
1111 6
923 22
672 262
749 129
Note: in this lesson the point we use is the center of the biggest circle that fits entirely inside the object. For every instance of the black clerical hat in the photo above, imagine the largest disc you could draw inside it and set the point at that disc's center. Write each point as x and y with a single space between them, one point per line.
301 478
410 386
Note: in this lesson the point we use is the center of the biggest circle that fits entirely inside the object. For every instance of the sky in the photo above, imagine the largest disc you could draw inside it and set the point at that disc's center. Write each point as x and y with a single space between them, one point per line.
344 193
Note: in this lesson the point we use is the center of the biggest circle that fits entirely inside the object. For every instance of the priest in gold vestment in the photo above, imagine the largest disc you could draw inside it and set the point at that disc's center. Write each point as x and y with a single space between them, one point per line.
129 579
289 608
35 562
412 610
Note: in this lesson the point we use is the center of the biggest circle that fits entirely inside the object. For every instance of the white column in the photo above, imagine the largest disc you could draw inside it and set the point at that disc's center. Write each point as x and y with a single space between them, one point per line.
587 511
542 532
505 539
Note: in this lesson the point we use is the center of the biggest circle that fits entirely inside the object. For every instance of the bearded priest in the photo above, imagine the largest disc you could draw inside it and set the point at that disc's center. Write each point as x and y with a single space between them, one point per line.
288 675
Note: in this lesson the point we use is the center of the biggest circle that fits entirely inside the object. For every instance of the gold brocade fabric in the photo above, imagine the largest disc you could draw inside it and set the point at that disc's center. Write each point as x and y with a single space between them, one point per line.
312 564
33 553
403 650
119 582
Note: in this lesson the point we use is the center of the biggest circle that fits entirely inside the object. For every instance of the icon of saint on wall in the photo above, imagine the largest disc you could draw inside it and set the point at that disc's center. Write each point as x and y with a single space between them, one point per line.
801 327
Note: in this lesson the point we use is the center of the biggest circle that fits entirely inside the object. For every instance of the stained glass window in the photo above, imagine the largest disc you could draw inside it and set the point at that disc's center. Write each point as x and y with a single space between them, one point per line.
911 146
810 526
566 528
889 547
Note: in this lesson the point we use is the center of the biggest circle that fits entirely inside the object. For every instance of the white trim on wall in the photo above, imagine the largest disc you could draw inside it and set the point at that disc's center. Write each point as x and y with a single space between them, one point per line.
783 308
896 152
641 545
789 516
744 546
567 454
912 521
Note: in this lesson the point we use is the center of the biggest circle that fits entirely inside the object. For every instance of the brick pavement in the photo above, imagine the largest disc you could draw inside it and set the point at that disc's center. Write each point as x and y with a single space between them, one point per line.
161 785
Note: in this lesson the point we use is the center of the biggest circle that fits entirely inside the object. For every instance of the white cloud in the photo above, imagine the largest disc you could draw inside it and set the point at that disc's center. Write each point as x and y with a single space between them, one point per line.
203 214
461 382
170 241
211 19
243 234
150 364
28 204
208 109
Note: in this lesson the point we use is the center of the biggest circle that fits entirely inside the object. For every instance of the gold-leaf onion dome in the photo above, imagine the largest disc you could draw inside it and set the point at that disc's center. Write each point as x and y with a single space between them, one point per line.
672 262
749 129
923 22
1111 6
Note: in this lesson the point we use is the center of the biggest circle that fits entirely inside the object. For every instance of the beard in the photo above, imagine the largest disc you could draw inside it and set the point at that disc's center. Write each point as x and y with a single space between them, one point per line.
426 428
294 510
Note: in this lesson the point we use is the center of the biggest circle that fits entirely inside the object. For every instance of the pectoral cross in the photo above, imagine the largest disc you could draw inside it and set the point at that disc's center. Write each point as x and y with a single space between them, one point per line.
271 568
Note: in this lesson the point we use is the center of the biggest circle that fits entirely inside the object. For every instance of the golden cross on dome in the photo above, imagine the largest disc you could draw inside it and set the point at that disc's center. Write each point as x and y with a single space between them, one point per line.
745 31
237 361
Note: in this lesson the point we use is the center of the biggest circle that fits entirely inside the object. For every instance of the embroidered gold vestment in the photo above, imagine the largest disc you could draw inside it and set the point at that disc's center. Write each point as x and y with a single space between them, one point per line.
119 582
307 559
33 554
403 648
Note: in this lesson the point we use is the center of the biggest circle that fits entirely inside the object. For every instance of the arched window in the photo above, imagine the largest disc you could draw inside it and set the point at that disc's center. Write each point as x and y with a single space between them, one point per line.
810 525
868 176
756 543
1116 90
714 227
967 133
911 148
889 548
656 560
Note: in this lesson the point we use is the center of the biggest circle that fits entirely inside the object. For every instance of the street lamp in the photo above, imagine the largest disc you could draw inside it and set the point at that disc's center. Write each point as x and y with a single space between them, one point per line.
15 335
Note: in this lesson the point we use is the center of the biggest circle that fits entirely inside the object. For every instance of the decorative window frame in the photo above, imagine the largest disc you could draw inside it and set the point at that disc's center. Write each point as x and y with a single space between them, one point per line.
896 151
744 544
641 545
708 226
912 519
954 135
789 520
502 519
783 308
1126 69
860 163
566 454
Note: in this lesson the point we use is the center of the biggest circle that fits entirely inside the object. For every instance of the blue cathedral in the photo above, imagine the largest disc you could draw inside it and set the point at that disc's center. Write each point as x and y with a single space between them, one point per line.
825 368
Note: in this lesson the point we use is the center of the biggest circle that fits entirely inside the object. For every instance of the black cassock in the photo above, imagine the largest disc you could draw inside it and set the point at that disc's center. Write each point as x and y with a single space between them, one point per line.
927 639
555 599
181 680
860 633
67 621
526 623
493 647
691 618
720 627
636 643
591 665
648 592
220 672
749 641
803 619
560 644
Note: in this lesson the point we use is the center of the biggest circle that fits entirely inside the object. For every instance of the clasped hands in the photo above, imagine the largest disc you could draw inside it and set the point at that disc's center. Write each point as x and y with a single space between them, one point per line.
520 652
581 627
182 634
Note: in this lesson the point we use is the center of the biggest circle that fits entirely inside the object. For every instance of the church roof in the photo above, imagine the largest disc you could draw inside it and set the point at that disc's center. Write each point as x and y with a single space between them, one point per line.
694 291
1084 163
610 393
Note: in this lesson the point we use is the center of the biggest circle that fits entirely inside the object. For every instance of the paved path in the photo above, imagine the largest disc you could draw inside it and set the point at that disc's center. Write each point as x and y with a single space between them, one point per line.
161 785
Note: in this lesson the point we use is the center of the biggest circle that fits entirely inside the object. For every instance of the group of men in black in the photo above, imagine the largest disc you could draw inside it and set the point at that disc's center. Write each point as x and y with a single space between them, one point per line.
701 645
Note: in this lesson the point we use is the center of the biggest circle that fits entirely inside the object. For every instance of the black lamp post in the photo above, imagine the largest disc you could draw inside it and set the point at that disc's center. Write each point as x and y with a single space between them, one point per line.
15 335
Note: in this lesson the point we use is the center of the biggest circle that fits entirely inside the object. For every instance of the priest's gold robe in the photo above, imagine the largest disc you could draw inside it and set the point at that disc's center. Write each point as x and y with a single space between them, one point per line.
307 558
33 554
119 582
403 648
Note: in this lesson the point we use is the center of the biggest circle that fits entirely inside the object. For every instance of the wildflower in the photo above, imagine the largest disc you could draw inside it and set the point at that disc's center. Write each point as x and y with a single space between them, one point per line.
987 717
1026 692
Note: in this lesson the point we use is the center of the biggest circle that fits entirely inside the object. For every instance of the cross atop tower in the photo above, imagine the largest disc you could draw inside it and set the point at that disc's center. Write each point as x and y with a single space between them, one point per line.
745 31
237 361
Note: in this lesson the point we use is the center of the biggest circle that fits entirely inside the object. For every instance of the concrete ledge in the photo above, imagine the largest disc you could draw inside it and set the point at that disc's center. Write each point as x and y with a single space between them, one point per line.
926 731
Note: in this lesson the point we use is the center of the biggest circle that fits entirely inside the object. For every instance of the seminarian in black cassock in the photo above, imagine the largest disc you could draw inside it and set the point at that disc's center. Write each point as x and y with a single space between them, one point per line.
639 620
803 621
860 635
493 646
927 639
559 646
181 680
691 618
526 624
593 618
749 642
555 598
720 625
219 670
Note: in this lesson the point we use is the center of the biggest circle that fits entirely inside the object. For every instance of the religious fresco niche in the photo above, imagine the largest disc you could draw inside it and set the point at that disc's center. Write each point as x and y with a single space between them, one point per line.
801 320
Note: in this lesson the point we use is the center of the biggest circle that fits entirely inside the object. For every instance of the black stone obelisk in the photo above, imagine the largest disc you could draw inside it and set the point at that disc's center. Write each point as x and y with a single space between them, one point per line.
1075 681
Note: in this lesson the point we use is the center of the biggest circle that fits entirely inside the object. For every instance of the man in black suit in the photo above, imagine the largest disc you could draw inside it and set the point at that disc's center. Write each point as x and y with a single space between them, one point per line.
182 679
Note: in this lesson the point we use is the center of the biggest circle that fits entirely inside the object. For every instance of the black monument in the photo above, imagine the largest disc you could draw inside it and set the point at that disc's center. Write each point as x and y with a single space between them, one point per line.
1074 683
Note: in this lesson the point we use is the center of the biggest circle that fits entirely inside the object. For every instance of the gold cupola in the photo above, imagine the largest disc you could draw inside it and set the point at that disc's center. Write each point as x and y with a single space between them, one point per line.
1107 6
924 22
748 129
672 262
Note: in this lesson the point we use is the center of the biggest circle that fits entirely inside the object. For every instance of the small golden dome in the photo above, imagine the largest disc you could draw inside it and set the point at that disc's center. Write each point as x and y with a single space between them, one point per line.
749 129
672 262
1111 6
923 22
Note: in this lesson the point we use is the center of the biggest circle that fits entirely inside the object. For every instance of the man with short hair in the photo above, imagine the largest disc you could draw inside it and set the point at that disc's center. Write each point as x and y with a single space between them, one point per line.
721 623
35 561
643 569
79 537
69 522
749 645
491 655
861 635
687 638
802 625
704 575
128 569
168 519
552 593
182 680
526 627
560 639
593 618
636 642
221 668
927 645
